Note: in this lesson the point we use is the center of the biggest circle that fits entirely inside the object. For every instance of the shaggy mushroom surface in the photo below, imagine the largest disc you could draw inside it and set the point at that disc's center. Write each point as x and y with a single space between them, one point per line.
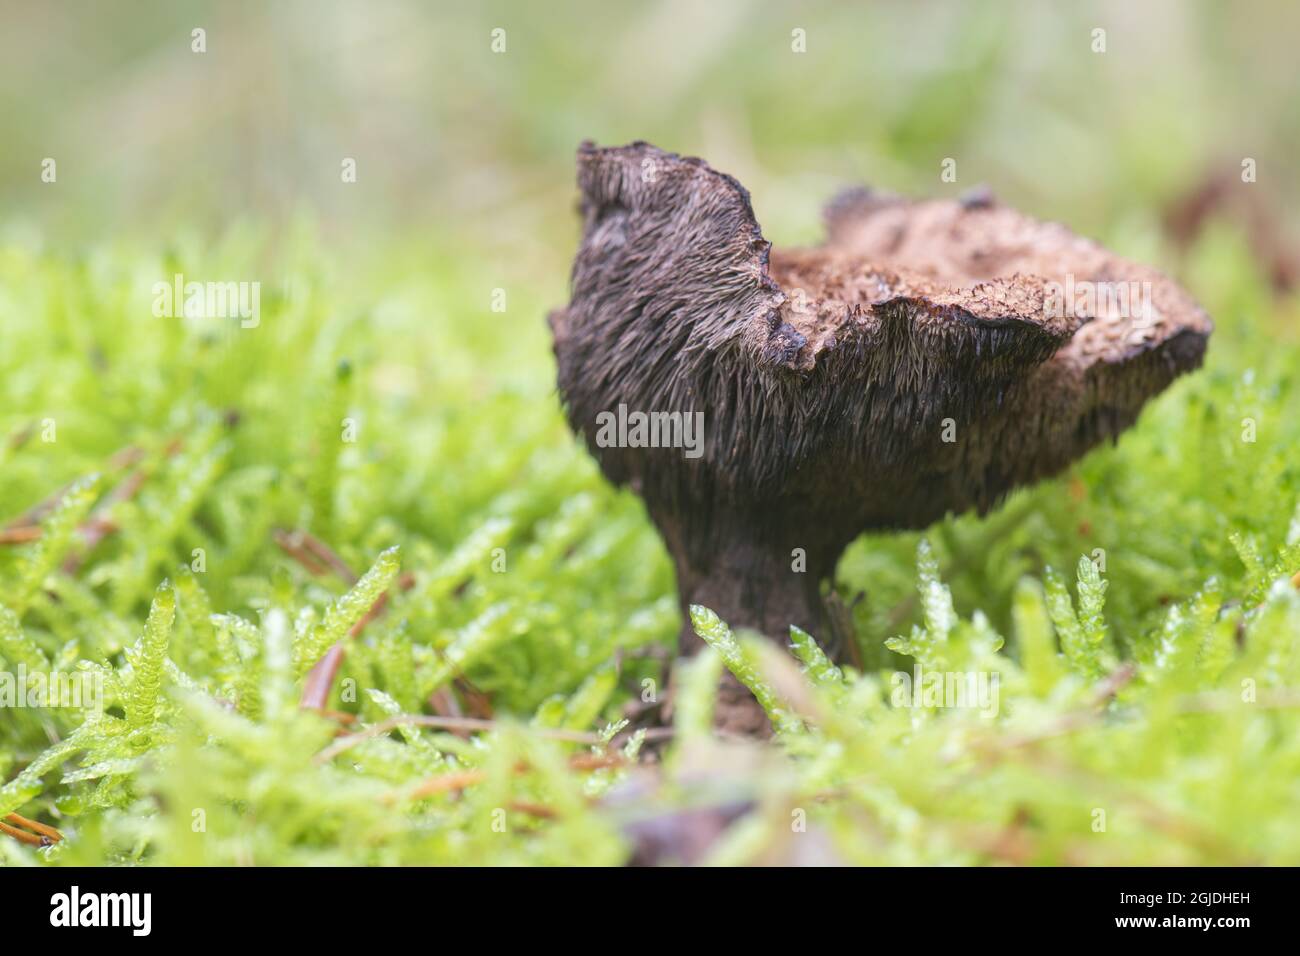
926 359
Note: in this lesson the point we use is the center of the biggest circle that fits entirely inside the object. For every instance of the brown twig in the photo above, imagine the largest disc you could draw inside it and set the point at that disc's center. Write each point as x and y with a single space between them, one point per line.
40 834
32 516
462 779
444 703
1219 195
22 836
405 582
445 783
1114 682
319 558
20 534
591 761
122 458
320 679
98 525
478 702
21 437
313 554
291 545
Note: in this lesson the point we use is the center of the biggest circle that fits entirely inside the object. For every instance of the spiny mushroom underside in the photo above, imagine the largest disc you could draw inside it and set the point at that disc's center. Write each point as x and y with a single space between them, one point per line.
926 359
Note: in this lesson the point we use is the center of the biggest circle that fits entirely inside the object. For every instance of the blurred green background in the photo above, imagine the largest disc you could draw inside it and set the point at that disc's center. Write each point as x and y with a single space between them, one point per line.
456 141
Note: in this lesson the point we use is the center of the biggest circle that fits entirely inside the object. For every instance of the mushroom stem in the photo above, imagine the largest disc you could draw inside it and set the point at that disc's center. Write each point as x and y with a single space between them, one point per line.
750 575
759 595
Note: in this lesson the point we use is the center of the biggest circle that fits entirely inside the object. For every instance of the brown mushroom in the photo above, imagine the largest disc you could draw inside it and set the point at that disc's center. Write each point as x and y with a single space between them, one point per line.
925 360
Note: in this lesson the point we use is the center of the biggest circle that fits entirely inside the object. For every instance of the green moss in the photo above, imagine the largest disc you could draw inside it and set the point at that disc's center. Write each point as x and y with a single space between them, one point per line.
1145 711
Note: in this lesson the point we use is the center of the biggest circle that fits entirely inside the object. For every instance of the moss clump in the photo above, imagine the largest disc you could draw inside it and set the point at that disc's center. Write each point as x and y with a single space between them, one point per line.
1146 695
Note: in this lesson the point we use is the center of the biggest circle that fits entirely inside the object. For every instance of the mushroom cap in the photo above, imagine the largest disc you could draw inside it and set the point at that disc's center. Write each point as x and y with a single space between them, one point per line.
927 358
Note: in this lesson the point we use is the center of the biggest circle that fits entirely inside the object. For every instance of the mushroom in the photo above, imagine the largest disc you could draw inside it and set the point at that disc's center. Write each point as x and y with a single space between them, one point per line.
926 359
